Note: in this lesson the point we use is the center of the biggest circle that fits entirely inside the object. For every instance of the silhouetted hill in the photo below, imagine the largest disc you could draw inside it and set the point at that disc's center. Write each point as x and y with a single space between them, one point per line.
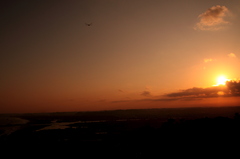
125 133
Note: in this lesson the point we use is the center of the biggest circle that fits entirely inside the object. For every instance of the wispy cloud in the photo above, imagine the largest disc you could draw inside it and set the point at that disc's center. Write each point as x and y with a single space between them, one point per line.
208 60
232 55
213 19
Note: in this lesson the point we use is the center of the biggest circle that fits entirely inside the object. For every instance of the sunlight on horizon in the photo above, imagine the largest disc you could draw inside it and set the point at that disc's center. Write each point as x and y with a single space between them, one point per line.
221 80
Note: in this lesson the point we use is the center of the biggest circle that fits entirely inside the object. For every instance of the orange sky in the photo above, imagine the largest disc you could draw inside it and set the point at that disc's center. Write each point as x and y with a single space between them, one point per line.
133 51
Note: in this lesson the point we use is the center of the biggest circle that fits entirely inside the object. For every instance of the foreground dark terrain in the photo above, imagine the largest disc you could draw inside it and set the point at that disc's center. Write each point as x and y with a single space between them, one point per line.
149 133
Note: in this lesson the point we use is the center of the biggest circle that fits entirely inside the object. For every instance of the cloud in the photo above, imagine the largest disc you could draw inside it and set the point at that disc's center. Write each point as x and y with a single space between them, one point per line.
123 101
200 92
232 55
121 91
162 99
208 60
232 88
213 18
146 93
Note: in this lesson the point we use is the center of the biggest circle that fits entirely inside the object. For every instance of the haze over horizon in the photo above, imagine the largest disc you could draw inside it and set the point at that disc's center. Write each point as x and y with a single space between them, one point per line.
135 54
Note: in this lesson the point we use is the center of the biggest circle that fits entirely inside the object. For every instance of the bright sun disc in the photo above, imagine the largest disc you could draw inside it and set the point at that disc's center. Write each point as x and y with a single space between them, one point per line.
221 80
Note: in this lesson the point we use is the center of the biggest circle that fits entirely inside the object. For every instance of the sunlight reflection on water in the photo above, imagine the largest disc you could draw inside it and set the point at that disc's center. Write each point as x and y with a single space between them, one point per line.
8 125
65 125
56 125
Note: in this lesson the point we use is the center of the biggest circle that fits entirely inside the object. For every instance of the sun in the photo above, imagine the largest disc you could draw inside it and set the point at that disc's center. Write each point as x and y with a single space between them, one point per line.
221 80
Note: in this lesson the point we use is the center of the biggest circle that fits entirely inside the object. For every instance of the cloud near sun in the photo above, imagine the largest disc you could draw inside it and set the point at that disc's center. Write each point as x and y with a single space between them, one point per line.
213 19
232 55
231 89
199 92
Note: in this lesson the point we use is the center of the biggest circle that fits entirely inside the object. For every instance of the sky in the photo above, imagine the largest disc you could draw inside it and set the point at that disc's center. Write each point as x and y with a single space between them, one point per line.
135 54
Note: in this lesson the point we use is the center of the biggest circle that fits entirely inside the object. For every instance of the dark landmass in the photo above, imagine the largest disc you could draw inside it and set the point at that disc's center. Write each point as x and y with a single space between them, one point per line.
147 133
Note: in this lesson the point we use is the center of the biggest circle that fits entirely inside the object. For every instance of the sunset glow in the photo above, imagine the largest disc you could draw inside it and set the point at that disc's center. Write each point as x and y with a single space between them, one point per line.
108 55
221 80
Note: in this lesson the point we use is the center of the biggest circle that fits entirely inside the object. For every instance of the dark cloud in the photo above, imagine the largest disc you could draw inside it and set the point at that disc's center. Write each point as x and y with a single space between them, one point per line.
123 101
232 88
146 93
120 91
199 92
161 99
213 18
